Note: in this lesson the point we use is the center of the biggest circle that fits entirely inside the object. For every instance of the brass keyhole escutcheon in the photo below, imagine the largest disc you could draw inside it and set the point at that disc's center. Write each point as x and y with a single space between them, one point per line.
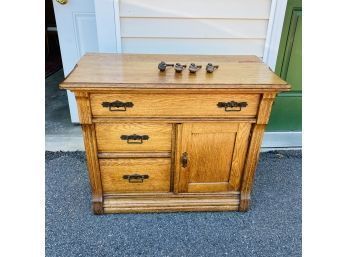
184 160
62 1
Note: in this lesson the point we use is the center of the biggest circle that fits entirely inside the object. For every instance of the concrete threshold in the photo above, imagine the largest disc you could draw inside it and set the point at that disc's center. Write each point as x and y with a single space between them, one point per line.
56 143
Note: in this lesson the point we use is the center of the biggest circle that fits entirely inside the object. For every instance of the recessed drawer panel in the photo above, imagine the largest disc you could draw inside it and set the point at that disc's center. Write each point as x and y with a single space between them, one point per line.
135 175
142 137
177 105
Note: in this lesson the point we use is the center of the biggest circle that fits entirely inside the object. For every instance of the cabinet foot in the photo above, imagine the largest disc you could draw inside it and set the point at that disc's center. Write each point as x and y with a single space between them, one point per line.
244 203
97 206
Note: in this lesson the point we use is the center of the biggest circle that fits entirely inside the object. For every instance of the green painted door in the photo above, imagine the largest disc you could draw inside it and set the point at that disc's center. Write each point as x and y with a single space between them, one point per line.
287 109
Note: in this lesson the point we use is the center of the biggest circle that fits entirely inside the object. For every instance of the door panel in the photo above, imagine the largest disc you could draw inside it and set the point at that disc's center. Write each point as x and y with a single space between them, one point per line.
208 152
292 72
215 156
286 113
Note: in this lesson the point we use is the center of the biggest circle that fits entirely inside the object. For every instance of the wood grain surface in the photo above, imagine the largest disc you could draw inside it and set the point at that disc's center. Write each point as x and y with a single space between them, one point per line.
109 137
239 155
173 105
88 131
138 70
250 166
170 202
212 158
128 155
83 107
158 170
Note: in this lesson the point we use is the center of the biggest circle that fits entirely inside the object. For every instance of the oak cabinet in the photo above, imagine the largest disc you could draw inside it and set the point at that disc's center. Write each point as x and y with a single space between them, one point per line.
162 141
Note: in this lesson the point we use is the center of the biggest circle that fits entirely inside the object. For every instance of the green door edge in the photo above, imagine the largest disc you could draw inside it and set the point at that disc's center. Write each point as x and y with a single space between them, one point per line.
287 110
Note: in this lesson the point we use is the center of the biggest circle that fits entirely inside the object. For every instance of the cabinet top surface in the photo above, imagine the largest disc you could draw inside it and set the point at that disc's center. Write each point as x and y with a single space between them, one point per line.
141 71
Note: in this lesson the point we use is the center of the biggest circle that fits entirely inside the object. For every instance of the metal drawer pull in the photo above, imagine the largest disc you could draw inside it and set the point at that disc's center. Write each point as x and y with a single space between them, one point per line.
184 160
135 178
229 106
134 139
117 106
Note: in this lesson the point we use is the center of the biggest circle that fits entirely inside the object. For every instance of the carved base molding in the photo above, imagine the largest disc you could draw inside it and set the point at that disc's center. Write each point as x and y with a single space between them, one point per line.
170 203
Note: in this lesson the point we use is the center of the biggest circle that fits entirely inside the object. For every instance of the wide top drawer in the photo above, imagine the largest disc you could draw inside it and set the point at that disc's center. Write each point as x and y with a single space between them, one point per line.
177 105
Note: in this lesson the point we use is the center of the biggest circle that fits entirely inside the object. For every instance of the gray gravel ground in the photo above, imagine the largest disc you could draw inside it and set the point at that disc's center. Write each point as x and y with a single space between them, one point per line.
271 228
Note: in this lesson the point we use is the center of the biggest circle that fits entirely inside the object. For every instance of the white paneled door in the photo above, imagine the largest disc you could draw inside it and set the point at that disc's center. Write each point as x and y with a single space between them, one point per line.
77 32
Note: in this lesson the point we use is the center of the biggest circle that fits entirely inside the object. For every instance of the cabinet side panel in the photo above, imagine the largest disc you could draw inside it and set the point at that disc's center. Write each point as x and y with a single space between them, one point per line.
83 107
93 167
250 166
254 149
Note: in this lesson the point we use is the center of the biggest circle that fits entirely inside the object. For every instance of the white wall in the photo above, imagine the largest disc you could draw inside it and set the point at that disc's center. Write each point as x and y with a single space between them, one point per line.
194 26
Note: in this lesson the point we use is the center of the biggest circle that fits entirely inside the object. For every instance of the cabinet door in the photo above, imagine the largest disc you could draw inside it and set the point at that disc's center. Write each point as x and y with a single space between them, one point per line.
210 156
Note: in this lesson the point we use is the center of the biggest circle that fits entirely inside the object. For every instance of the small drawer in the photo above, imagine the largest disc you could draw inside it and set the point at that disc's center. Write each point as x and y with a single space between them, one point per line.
130 137
135 175
174 105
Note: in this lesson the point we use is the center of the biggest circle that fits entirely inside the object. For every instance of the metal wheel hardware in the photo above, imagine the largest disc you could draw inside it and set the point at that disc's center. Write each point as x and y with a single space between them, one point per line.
179 67
210 67
193 68
162 66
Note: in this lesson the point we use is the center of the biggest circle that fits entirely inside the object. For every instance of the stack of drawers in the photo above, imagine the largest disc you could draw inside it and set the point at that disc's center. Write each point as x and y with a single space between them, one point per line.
136 165
158 145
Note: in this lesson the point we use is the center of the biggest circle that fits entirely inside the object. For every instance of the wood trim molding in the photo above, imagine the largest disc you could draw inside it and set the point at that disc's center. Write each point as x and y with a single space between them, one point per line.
254 149
171 203
240 151
250 166
135 155
83 107
93 167
265 108
177 166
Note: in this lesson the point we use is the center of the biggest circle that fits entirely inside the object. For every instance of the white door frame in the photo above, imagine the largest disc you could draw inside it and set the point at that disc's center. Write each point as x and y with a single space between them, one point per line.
274 32
108 25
